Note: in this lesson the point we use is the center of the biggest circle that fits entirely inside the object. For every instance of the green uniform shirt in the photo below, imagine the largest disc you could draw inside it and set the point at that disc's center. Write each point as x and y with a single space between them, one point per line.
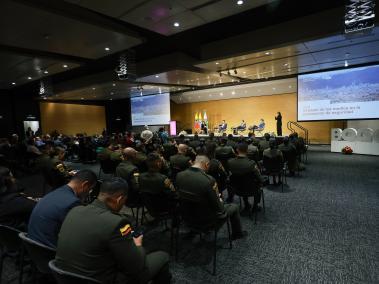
98 243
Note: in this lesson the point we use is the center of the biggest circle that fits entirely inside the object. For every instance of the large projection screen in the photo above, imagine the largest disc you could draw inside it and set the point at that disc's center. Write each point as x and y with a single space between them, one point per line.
151 110
343 94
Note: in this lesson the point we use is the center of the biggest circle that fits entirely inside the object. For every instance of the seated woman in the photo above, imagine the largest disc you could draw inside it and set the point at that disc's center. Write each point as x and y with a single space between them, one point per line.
15 208
260 126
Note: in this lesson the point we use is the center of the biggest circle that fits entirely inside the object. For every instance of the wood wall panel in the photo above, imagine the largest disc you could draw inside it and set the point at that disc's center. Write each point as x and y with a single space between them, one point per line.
251 110
71 119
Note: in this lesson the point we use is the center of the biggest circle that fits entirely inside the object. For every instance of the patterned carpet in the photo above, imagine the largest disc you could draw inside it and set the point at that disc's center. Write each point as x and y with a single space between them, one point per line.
323 228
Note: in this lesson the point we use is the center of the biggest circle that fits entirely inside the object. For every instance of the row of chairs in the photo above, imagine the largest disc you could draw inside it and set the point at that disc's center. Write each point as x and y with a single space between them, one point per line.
16 244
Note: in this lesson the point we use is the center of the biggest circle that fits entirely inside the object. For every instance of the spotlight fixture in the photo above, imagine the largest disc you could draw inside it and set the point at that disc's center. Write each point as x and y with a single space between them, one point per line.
13 83
107 49
240 2
176 24
156 76
267 53
217 63
29 78
235 71
46 72
64 65
114 85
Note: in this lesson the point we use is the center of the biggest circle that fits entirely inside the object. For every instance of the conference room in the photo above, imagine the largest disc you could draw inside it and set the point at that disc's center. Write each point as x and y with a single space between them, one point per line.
220 141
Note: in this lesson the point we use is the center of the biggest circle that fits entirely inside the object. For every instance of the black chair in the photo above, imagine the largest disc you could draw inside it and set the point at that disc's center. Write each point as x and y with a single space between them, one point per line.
40 254
246 186
289 156
275 166
65 277
199 218
162 208
108 166
11 247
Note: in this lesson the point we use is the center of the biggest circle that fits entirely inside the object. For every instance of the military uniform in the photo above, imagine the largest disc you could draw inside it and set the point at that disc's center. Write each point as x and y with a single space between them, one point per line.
196 181
223 154
289 155
129 172
98 243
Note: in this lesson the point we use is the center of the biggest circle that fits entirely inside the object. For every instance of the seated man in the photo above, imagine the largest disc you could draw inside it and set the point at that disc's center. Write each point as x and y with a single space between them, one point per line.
195 180
261 126
242 165
274 155
180 161
289 155
97 242
15 208
223 126
49 213
242 126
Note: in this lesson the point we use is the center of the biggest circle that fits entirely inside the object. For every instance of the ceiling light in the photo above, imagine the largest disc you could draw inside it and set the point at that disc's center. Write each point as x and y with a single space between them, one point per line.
13 83
285 64
46 72
217 63
221 94
244 72
93 88
176 24
29 78
267 53
346 63
233 93
156 76
65 66
239 2
114 85
82 98
290 86
274 88
107 49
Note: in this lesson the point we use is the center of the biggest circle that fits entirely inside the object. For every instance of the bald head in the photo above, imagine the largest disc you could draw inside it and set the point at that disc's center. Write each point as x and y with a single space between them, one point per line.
201 162
182 148
129 153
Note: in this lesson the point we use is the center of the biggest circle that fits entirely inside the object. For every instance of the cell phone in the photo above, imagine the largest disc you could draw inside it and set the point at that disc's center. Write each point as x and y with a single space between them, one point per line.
138 232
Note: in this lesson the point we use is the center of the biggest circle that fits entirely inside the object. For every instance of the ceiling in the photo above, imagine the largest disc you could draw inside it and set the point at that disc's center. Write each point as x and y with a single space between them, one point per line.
159 16
218 44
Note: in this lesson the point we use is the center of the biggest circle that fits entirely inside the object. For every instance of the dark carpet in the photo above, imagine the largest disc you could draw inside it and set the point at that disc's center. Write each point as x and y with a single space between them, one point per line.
323 228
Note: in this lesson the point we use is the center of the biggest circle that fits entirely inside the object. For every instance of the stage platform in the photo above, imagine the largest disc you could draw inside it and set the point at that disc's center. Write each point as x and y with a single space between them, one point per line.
206 136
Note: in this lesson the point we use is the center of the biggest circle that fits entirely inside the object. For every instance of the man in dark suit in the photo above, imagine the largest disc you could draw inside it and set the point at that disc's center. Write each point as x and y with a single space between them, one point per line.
48 215
96 241
195 180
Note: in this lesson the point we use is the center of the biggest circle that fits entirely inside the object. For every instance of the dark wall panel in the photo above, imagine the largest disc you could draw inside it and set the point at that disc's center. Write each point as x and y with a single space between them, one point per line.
7 125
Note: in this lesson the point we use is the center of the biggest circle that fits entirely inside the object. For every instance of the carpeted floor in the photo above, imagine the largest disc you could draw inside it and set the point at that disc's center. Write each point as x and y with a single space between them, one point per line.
323 228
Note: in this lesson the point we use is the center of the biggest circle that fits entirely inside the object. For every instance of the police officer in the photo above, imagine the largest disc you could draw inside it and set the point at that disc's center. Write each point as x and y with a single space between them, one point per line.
129 172
96 241
195 180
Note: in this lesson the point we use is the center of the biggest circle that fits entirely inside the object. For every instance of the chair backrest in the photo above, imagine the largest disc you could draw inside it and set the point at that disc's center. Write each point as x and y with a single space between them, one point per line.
9 239
65 277
195 211
156 204
273 164
243 184
39 253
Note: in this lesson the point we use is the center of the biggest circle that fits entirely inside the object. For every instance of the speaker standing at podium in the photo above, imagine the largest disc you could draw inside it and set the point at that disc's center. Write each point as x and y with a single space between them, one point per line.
278 119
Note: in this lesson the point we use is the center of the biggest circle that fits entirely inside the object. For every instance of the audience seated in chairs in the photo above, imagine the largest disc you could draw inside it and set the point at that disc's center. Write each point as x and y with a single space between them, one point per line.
273 161
289 155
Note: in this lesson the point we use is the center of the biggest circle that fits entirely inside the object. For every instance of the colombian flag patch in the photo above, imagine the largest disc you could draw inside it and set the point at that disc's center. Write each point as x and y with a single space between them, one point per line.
125 230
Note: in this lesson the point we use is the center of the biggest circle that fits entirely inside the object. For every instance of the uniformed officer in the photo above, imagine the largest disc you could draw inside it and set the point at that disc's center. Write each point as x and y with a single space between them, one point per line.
289 155
195 180
96 241
224 153
129 172
156 184
242 165
274 154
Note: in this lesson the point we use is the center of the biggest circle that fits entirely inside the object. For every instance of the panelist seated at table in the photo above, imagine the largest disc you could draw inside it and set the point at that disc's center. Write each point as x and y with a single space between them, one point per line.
261 125
223 126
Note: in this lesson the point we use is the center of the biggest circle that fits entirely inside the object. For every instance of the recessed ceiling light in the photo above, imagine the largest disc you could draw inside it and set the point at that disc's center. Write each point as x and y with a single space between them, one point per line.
267 53
93 88
290 86
156 76
176 24
82 98
285 64
217 63
13 83
46 72
107 49
233 93
346 63
239 2
29 78
221 94
64 65
114 85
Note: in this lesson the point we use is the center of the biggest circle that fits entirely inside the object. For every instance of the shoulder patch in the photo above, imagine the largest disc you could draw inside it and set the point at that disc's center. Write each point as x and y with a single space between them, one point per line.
125 230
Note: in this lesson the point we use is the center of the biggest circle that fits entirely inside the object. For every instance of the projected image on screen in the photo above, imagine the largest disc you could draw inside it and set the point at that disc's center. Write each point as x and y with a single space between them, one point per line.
151 110
343 94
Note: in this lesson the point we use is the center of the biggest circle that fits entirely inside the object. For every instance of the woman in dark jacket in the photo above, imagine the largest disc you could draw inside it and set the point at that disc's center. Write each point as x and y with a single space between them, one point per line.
278 119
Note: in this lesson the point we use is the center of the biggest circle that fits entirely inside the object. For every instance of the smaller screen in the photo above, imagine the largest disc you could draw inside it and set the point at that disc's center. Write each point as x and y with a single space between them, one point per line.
151 110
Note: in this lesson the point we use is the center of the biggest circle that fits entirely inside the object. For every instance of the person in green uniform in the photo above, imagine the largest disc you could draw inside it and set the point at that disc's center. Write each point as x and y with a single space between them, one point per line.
129 172
96 241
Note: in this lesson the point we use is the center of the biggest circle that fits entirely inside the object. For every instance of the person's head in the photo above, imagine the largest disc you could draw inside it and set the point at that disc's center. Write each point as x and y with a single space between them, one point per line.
129 154
154 162
279 114
230 136
242 148
59 152
201 162
267 136
272 143
6 179
182 149
83 182
286 140
223 120
113 193
262 120
196 137
223 141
